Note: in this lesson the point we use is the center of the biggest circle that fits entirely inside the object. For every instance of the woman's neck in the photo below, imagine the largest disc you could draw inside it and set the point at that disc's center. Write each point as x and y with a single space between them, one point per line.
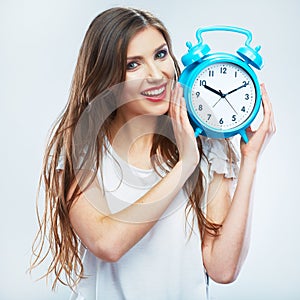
132 139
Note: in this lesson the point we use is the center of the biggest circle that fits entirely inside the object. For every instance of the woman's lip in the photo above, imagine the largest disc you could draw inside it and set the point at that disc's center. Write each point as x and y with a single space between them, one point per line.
155 88
156 97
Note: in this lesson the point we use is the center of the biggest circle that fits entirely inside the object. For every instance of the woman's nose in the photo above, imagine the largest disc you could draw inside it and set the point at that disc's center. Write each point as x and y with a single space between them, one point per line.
155 74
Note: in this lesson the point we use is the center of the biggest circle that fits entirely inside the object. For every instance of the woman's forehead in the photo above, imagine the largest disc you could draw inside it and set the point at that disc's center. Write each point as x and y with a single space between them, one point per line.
147 39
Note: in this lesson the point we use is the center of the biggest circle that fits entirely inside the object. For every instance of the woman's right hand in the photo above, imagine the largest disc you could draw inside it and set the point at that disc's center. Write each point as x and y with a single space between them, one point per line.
259 139
183 131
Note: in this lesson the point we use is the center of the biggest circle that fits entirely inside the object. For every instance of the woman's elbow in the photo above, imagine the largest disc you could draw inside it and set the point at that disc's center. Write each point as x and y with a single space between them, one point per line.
226 276
107 251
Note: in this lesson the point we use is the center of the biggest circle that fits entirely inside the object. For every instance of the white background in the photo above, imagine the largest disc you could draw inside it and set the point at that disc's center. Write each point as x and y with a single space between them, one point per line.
39 44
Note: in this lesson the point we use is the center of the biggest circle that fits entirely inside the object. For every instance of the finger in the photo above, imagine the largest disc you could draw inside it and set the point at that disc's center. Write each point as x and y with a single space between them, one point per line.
184 113
271 111
273 123
173 102
175 111
181 101
268 111
266 107
272 120
249 130
184 119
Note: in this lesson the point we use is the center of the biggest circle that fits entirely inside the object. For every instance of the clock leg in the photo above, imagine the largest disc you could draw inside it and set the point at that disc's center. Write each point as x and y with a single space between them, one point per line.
244 136
198 131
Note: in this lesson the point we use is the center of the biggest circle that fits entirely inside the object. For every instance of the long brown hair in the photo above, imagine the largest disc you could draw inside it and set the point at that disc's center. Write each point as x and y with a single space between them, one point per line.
101 64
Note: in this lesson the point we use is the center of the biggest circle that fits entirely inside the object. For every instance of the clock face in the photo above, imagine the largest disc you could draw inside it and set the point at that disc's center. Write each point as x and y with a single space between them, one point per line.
223 96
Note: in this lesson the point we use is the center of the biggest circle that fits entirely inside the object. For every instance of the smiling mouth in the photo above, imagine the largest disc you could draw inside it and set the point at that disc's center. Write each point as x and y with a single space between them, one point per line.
154 92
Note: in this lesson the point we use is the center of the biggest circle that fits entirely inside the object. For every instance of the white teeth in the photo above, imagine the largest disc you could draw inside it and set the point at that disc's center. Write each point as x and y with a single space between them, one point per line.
154 92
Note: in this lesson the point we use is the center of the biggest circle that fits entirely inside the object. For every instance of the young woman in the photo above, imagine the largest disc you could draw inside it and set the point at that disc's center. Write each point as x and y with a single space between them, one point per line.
136 207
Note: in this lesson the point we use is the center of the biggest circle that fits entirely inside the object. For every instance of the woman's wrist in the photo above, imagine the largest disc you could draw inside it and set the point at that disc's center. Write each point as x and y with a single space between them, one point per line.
185 169
249 163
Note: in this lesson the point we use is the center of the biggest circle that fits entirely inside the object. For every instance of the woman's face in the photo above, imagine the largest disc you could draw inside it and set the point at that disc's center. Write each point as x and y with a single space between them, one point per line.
149 76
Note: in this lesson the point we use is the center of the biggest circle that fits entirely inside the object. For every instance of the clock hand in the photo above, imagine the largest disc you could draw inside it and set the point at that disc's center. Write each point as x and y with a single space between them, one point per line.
217 102
230 105
234 90
223 96
214 91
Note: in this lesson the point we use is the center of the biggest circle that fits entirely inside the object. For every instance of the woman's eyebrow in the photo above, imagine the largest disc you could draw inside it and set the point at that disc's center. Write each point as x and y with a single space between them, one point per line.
140 57
158 48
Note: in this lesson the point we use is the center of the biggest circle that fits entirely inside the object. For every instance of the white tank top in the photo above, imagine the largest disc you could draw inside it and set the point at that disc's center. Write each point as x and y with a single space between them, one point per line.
166 264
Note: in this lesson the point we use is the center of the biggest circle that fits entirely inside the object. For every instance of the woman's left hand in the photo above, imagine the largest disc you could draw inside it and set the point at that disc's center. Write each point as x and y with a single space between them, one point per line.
259 139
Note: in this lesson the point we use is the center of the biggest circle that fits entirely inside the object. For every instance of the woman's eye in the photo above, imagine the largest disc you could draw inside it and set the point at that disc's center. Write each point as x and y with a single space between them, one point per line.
131 65
161 54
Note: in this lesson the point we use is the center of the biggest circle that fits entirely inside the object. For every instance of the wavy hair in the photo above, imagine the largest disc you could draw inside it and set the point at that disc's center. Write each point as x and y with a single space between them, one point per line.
101 64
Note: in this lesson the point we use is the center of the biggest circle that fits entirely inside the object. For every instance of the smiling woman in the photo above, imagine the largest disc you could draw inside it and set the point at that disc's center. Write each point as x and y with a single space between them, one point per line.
136 207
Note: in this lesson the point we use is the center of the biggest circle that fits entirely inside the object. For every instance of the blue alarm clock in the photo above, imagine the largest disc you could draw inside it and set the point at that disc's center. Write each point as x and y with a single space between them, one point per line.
221 90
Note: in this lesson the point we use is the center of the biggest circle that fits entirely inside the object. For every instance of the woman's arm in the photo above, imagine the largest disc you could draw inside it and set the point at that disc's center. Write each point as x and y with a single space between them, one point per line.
109 236
223 255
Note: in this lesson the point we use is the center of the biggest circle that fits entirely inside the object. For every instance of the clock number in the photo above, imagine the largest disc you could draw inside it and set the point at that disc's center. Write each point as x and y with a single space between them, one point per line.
233 118
200 107
243 109
208 116
221 121
235 74
246 96
211 73
202 82
245 82
223 70
197 94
